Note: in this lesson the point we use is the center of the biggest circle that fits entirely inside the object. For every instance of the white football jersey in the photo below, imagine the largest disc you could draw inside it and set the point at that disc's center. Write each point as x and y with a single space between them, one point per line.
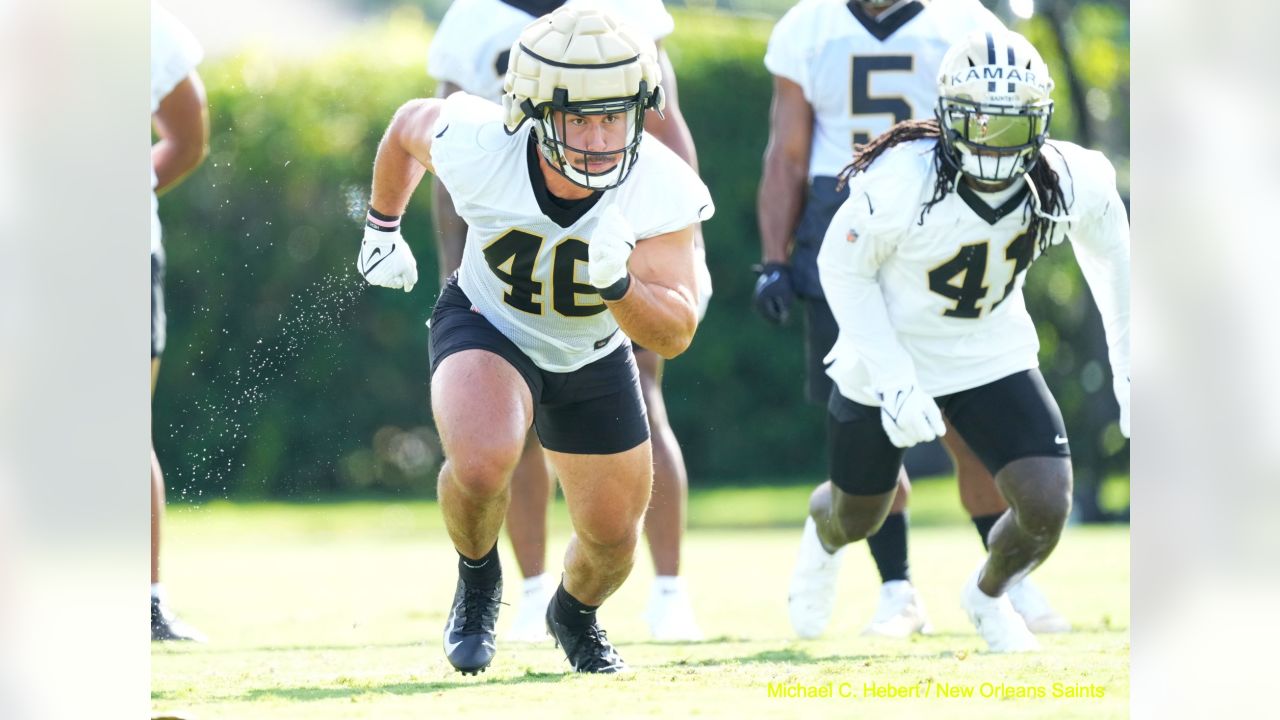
473 42
952 286
524 265
175 52
862 75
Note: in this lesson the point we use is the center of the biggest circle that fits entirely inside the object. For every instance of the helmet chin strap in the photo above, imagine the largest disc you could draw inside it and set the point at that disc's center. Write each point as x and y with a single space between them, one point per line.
1035 202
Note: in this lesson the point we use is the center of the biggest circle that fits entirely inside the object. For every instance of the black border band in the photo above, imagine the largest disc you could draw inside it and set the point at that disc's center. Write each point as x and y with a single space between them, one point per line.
617 290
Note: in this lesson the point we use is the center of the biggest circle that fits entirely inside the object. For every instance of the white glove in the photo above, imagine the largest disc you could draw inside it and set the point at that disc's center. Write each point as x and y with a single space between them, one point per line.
910 416
385 259
1121 387
609 248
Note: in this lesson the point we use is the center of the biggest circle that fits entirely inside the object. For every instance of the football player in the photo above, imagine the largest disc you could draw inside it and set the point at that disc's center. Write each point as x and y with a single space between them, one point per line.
844 72
471 52
574 250
180 118
923 267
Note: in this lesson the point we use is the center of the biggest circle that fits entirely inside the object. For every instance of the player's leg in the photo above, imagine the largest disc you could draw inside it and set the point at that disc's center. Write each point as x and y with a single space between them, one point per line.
532 488
164 624
483 408
531 484
482 398
900 610
1013 424
596 433
984 503
670 613
865 470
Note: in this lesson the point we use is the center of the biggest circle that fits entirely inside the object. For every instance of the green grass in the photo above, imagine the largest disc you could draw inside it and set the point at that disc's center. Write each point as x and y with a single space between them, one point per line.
335 611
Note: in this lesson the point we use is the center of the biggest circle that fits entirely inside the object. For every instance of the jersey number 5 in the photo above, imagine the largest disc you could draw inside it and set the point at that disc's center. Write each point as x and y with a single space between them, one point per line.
512 258
969 266
861 102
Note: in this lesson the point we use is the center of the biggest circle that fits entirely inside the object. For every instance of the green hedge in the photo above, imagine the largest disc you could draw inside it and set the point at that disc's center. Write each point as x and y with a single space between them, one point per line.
285 376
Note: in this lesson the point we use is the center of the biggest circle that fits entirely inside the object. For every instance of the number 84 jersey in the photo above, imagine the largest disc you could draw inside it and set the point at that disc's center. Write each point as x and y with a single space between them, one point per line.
524 265
951 278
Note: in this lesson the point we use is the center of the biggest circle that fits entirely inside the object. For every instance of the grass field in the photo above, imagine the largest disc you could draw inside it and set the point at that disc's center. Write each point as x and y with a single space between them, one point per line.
335 611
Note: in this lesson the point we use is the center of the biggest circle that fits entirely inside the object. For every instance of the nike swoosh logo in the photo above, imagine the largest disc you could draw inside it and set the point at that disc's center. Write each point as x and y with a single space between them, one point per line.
1059 439
453 623
475 567
441 133
377 251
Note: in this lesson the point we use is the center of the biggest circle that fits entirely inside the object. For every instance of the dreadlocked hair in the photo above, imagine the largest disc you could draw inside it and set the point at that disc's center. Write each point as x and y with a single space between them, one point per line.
1049 198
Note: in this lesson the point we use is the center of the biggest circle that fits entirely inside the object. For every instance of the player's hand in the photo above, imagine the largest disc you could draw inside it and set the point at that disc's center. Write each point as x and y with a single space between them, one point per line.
774 295
910 416
1121 387
385 259
609 249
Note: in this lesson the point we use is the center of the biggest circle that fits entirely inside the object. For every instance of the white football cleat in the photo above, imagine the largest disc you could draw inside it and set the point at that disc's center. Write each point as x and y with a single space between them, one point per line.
530 625
1034 608
996 620
900 612
670 613
813 584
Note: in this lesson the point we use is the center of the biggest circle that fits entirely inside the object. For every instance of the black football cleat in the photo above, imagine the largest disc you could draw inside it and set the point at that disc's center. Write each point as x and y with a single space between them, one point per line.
166 626
470 632
588 648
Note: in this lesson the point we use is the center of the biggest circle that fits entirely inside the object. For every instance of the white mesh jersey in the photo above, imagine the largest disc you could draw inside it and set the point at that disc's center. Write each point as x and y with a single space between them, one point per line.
952 315
471 47
175 52
525 272
862 75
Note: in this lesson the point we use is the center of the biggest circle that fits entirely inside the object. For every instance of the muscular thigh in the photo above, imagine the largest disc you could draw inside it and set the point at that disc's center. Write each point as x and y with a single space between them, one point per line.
1009 419
606 494
481 403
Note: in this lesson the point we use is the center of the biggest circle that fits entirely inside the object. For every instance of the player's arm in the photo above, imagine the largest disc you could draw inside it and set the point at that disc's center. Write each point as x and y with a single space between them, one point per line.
1102 250
182 124
848 267
786 170
404 154
654 301
781 196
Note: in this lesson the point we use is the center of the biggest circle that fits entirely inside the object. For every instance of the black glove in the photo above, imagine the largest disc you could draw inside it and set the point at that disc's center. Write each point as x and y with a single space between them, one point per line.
774 295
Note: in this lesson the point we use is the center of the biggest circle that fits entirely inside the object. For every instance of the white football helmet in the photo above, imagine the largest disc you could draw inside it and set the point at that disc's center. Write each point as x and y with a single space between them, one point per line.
993 105
580 60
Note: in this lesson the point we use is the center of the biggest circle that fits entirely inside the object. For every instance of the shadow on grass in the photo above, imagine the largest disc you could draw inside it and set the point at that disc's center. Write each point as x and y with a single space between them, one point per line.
399 688
214 649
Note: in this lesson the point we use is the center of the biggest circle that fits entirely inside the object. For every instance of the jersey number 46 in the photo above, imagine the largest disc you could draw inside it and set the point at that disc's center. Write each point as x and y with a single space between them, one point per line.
513 257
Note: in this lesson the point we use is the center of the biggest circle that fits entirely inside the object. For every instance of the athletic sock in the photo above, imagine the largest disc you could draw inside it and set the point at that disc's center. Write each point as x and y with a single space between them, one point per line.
984 523
667 583
485 572
534 584
573 612
889 548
